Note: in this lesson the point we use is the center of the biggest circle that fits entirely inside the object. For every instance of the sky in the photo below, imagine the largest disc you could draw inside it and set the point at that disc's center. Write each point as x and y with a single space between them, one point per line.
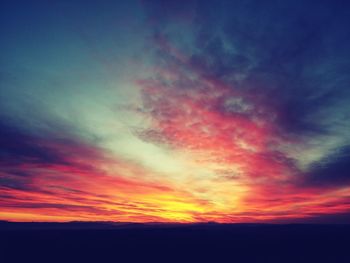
175 111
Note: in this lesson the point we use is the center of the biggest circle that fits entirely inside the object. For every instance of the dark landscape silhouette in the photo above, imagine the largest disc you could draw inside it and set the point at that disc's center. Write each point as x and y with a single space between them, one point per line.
161 242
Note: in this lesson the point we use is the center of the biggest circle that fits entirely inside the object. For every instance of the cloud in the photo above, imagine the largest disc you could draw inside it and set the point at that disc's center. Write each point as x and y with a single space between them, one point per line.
256 88
19 147
28 154
331 171
55 174
284 64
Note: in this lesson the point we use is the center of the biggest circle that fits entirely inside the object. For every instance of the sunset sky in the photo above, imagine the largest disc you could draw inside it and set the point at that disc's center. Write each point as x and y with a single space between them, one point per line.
175 111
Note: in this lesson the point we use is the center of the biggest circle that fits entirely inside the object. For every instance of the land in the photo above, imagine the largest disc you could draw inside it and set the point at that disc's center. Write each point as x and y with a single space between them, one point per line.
160 242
